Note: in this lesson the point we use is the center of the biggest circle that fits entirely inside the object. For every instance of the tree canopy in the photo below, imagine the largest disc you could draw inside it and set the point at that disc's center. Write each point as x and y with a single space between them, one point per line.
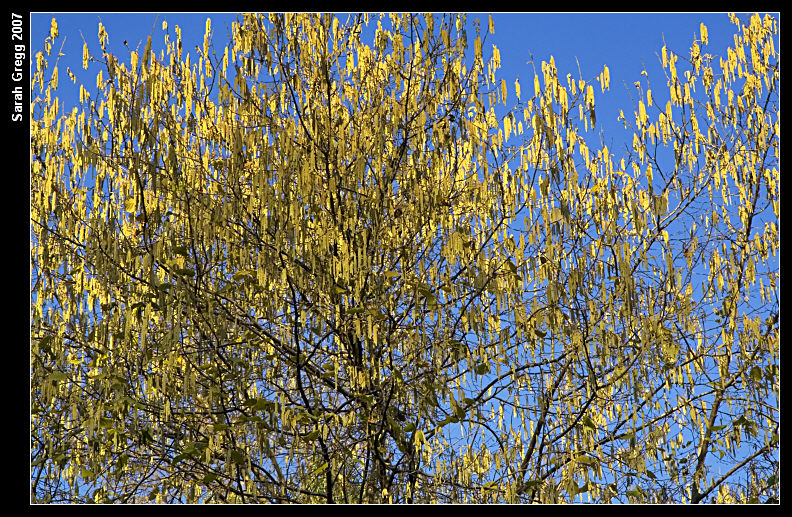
338 259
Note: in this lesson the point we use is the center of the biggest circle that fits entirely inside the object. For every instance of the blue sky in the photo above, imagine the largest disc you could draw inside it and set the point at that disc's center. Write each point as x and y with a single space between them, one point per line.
580 44
626 43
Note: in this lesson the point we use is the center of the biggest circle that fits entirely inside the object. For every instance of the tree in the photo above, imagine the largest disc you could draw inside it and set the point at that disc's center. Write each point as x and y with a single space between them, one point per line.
309 269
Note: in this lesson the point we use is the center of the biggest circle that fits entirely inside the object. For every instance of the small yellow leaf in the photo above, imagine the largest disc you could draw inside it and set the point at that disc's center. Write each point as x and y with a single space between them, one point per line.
642 117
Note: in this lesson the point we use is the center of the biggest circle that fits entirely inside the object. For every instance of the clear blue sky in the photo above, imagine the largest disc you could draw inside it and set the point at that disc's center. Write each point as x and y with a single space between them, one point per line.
627 43
581 44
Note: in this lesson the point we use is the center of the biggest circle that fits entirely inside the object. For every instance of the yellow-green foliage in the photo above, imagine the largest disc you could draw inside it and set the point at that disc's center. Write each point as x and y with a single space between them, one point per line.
313 267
